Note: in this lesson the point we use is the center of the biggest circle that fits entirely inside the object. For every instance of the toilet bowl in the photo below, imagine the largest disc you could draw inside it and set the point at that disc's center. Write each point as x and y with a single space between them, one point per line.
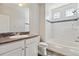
42 48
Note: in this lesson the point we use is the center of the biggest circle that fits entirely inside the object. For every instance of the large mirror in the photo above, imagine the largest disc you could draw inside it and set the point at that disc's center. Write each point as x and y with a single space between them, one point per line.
14 17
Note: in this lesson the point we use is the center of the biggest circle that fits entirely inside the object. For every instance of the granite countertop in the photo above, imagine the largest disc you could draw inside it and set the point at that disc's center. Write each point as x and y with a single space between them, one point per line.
8 40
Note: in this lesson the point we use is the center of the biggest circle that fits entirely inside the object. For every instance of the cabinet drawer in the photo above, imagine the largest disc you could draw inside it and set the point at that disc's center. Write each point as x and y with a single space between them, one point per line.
33 40
11 46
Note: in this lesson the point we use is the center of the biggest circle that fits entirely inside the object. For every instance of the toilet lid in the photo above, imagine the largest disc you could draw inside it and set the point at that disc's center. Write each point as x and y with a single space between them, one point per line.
43 44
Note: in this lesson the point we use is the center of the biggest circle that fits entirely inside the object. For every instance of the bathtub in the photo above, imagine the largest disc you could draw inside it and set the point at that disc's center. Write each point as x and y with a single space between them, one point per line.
68 48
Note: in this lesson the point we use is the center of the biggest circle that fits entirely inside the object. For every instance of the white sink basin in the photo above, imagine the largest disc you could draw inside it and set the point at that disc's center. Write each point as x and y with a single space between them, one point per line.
19 36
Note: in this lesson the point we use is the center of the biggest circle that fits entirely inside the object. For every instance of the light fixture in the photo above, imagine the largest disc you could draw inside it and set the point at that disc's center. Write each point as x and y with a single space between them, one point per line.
20 4
24 5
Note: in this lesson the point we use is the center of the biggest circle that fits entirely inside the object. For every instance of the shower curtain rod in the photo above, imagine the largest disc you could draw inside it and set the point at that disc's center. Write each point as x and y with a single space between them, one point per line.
62 21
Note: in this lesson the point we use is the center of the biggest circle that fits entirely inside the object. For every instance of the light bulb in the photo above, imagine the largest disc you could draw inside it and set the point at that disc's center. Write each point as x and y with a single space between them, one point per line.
20 4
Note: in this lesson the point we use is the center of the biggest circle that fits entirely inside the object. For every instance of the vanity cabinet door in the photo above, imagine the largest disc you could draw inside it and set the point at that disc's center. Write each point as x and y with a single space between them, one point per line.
32 49
16 52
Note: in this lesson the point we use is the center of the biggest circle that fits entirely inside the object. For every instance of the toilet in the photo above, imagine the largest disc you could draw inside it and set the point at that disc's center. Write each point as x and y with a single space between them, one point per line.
43 48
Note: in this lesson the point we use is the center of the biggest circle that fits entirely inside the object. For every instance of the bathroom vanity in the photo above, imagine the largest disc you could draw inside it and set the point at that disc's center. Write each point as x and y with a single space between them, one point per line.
14 18
22 46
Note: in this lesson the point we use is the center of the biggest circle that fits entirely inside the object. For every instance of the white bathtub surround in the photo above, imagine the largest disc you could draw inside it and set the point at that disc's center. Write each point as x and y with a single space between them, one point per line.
62 37
64 47
53 53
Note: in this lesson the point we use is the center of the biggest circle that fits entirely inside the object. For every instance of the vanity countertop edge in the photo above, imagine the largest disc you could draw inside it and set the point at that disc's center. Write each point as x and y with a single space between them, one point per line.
9 40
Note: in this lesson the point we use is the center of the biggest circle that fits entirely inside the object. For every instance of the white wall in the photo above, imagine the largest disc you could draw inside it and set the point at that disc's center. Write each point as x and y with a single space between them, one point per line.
37 20
34 18
42 20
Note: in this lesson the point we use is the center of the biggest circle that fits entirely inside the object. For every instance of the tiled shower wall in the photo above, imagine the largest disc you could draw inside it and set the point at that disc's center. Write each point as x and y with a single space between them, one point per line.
48 16
67 31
